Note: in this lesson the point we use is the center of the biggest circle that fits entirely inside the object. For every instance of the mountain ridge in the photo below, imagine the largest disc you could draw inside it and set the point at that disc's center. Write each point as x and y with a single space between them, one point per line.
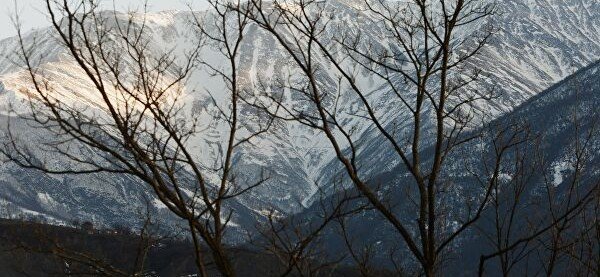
297 156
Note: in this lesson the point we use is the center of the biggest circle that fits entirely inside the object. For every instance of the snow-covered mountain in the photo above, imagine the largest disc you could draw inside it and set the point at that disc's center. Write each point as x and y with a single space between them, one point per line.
538 44
558 121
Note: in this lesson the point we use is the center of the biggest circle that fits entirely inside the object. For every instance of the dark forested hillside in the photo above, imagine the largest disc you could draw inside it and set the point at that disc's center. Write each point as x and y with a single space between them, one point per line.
38 249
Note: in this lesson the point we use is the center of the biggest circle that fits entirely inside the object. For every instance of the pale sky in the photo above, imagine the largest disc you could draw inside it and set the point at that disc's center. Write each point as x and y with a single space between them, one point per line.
32 11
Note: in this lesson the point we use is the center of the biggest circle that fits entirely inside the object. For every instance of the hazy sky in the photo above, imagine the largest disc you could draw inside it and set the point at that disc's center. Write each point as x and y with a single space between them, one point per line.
32 11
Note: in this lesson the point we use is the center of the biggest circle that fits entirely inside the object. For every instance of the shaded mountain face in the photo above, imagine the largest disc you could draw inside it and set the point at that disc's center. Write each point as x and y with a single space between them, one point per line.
536 45
560 130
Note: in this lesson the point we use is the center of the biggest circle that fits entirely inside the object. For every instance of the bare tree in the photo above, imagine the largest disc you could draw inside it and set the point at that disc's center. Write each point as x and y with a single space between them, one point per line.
425 63
542 225
140 127
424 69
297 240
430 59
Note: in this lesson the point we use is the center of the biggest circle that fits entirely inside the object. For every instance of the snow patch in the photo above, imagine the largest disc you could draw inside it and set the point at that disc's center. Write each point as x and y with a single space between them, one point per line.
158 204
559 170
